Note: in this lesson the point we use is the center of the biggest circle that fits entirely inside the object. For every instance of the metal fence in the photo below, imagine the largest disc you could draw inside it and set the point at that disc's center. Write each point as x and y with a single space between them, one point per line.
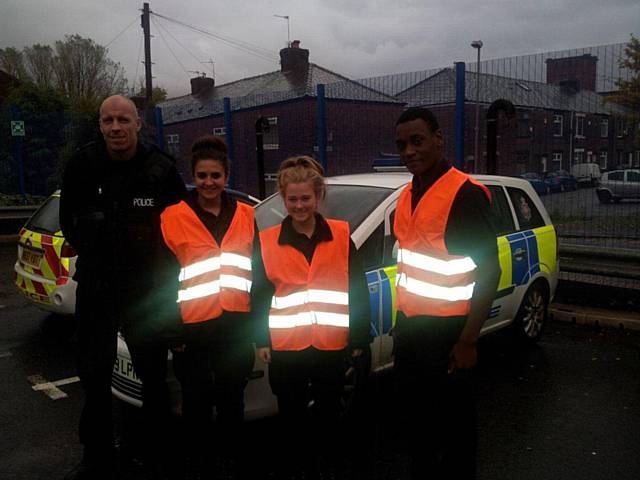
549 112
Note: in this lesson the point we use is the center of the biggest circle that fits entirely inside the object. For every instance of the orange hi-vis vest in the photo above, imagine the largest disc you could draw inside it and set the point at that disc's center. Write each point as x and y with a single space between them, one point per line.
310 305
214 278
430 281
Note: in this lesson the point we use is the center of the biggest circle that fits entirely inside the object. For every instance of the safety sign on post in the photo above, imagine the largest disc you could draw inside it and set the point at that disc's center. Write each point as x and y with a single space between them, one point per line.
17 128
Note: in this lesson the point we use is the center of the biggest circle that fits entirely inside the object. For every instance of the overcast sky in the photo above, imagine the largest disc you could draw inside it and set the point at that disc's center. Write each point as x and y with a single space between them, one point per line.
356 38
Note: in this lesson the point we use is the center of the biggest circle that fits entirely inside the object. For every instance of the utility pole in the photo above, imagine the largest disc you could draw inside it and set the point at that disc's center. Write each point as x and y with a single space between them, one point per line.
477 44
146 28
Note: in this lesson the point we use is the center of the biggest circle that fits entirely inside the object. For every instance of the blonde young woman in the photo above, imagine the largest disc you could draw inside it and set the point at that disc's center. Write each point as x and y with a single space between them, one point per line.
319 315
215 239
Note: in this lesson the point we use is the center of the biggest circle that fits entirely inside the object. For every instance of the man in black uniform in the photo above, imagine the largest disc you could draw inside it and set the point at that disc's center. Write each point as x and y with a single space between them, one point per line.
113 192
448 273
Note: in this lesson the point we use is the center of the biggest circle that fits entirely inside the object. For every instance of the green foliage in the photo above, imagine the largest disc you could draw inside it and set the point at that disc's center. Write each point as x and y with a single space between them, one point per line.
158 94
628 93
29 96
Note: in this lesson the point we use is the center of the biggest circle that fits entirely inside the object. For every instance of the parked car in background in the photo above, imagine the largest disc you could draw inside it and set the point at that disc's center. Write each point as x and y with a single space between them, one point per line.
527 246
587 174
619 184
560 181
536 181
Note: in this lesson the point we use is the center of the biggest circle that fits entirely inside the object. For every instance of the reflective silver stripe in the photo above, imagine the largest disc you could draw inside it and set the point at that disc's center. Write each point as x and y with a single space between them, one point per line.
199 291
429 290
235 282
214 263
310 296
309 318
436 265
235 260
204 266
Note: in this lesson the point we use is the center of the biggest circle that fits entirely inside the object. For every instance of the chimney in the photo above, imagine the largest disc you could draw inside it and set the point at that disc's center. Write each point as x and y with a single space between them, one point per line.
294 59
578 73
201 84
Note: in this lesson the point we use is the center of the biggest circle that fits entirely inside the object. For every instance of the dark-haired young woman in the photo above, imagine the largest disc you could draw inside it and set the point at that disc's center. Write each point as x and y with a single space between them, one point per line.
215 239
319 314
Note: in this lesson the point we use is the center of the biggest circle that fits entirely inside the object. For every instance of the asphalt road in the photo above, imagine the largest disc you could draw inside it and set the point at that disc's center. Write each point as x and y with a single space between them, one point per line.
567 408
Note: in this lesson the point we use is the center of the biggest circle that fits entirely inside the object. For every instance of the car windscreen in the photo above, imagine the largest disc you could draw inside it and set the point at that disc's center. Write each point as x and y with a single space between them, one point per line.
352 203
46 220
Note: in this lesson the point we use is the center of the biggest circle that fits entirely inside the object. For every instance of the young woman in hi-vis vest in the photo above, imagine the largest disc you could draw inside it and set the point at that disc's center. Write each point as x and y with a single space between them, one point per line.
319 316
215 239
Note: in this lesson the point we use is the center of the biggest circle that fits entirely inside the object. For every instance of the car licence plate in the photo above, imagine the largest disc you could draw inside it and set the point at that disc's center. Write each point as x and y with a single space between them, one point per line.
31 258
124 368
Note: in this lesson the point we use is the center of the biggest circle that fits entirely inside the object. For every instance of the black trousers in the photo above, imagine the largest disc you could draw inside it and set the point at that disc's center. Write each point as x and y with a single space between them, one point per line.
437 416
98 314
213 370
304 379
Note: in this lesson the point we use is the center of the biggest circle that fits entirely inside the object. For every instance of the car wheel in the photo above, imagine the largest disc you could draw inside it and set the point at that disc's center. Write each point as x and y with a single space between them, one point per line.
604 196
532 315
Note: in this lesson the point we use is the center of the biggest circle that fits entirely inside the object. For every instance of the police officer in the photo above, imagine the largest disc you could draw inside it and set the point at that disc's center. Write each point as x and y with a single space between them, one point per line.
447 277
113 192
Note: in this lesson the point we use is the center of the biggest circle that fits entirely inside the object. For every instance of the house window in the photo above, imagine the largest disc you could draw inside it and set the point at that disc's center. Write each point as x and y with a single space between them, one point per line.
524 126
578 155
172 141
557 125
630 159
271 138
220 131
621 129
604 127
637 162
329 143
603 159
579 125
557 161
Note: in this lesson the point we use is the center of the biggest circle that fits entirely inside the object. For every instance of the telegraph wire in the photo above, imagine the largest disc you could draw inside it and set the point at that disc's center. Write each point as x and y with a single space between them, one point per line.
125 29
169 47
254 50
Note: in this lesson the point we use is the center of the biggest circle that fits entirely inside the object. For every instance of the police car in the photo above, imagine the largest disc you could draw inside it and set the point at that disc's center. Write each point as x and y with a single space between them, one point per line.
528 256
46 262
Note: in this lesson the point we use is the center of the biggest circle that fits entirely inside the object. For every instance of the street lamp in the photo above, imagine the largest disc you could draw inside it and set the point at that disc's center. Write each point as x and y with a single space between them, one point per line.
478 45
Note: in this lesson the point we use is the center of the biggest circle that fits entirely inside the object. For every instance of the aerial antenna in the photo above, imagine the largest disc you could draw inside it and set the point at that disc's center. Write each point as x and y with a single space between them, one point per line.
213 67
286 17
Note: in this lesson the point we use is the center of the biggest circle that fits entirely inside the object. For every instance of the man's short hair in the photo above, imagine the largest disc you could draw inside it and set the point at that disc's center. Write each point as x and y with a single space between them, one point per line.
415 113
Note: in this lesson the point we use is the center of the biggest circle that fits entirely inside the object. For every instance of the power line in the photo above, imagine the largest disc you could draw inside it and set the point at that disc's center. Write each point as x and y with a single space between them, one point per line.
135 79
125 29
168 32
254 50
172 52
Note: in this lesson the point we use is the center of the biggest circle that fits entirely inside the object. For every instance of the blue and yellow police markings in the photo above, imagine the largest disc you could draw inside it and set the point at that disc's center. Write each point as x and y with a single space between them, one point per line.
382 296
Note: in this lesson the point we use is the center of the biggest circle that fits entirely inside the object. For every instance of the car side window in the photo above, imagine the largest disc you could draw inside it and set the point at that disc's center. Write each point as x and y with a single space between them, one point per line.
633 177
616 176
528 215
503 219
371 250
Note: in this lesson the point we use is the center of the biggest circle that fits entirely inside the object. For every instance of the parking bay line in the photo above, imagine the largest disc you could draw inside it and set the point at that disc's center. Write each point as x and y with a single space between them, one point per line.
51 388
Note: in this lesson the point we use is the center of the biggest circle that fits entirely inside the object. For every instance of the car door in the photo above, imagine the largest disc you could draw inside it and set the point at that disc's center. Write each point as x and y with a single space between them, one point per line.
377 253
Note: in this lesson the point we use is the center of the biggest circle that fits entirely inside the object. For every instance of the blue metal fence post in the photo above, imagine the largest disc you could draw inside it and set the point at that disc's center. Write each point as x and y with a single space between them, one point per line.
322 128
460 97
157 112
16 114
228 129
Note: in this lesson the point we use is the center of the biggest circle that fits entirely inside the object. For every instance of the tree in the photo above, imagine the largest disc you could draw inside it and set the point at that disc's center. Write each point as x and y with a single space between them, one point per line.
628 93
158 94
12 62
40 64
84 71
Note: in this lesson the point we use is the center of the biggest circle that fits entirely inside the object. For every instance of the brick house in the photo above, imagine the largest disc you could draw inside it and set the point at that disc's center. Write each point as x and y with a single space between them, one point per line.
359 120
557 123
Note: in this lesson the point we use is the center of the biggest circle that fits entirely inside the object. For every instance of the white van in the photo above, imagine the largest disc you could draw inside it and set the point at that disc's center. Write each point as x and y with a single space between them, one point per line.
587 173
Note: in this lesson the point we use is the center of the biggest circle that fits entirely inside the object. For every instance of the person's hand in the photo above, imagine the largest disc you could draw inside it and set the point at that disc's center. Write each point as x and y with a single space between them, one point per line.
356 352
264 354
463 356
